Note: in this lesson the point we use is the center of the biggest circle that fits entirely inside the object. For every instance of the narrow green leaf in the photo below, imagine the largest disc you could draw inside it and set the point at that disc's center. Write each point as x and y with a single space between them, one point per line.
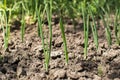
64 40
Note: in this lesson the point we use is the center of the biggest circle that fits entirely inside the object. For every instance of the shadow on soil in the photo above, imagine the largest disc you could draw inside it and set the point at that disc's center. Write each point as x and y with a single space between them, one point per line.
115 70
15 26
89 65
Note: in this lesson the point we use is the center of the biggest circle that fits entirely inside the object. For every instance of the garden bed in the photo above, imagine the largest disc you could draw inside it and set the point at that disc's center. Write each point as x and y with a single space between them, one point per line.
25 61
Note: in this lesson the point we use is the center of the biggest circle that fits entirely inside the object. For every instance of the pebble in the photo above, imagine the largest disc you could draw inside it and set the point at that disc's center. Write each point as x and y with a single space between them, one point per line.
42 75
55 54
96 77
73 75
54 64
58 42
76 68
40 48
71 55
19 71
115 46
61 73
117 79
110 54
117 59
2 76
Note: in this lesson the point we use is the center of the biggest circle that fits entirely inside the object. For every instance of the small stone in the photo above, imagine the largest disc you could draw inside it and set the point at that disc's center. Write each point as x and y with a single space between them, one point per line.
29 43
53 64
36 76
61 73
100 51
103 45
110 54
115 46
19 71
117 59
58 42
96 77
77 41
117 79
71 55
42 75
55 54
73 75
39 48
76 68
2 76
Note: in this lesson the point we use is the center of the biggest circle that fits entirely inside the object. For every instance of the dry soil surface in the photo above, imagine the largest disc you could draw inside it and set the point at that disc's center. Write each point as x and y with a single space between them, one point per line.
25 61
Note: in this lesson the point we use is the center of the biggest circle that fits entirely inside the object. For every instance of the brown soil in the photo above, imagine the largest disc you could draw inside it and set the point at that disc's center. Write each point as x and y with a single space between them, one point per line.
25 61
